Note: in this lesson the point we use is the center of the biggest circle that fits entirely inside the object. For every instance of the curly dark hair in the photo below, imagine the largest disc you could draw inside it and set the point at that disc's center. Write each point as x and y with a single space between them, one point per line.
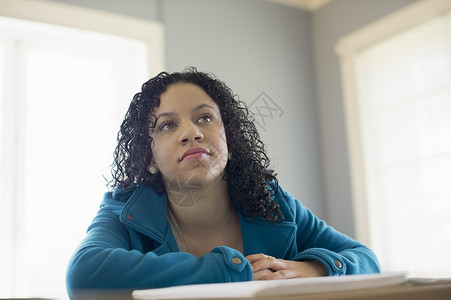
247 173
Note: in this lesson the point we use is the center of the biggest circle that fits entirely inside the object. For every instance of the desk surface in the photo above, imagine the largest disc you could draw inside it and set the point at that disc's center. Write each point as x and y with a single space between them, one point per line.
422 291
402 292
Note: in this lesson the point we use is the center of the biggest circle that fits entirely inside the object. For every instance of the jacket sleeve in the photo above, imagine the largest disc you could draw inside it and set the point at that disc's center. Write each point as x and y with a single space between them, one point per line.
317 241
104 260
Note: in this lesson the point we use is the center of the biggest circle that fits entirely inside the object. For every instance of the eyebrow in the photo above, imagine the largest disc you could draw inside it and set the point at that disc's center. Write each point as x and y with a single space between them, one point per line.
197 108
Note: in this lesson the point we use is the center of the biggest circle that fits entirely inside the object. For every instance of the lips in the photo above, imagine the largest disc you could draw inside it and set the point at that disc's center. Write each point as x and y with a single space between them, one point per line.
195 153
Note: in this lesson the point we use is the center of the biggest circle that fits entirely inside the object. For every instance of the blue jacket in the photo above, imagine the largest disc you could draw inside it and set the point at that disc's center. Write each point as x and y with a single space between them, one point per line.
130 245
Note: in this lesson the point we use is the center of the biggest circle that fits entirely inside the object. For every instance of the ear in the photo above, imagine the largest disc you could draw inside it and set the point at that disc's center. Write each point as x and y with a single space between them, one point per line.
152 163
152 169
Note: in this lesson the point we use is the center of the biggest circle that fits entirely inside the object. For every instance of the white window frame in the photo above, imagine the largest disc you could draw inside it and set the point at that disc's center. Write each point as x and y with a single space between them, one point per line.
149 32
347 48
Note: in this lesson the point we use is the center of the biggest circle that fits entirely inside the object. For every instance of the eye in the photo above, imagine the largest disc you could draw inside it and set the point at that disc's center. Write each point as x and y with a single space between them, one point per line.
167 126
206 118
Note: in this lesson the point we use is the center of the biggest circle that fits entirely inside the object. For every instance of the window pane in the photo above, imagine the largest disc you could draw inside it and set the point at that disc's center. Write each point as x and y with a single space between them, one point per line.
74 92
69 137
6 233
405 101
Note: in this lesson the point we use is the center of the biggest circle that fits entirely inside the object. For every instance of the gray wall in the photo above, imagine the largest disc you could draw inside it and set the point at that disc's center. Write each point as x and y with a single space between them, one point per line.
254 46
329 24
257 46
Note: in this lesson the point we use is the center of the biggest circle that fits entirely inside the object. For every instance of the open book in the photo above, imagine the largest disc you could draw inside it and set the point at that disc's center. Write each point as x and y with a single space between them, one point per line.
286 287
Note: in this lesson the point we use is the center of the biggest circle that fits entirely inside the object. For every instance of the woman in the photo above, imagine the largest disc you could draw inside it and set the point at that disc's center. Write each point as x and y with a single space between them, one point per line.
194 201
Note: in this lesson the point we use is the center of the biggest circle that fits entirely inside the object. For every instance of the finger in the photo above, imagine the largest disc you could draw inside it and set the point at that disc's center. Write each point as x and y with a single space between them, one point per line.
268 262
282 274
256 257
261 274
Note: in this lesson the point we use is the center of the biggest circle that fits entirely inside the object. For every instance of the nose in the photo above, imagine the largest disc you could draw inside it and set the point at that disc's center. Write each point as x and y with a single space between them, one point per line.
190 133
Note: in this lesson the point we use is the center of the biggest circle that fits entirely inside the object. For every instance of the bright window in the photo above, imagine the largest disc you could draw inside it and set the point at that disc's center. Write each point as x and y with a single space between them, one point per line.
402 105
64 93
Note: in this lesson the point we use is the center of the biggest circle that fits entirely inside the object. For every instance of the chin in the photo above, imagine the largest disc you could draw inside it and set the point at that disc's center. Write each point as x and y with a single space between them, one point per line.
195 178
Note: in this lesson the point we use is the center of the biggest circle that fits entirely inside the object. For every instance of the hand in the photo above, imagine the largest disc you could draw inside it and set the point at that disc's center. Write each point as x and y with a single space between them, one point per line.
266 267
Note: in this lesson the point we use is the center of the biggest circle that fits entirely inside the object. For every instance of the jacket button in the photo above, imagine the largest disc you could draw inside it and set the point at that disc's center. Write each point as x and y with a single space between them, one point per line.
338 264
236 260
130 217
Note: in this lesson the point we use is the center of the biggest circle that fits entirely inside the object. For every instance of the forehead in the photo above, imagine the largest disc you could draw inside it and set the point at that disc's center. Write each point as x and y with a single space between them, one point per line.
184 95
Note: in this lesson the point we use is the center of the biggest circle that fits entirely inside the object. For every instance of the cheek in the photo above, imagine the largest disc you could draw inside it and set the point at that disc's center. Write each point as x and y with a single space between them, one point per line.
161 161
221 145
159 154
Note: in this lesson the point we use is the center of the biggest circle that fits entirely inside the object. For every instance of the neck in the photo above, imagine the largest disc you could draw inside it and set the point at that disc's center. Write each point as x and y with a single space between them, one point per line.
199 210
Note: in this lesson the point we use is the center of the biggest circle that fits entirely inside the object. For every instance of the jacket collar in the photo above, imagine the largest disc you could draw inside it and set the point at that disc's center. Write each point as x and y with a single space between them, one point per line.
260 236
146 211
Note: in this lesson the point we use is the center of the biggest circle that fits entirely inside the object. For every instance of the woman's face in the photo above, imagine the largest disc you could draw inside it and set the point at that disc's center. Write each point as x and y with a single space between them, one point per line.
189 142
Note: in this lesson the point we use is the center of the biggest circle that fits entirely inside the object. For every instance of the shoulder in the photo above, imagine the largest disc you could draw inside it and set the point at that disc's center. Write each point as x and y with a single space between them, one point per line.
289 205
117 199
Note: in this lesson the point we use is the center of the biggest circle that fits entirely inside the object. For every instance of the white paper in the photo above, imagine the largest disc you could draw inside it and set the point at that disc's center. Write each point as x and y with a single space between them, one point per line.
251 289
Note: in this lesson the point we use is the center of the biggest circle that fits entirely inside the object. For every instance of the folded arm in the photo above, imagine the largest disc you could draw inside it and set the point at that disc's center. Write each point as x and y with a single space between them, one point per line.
104 260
